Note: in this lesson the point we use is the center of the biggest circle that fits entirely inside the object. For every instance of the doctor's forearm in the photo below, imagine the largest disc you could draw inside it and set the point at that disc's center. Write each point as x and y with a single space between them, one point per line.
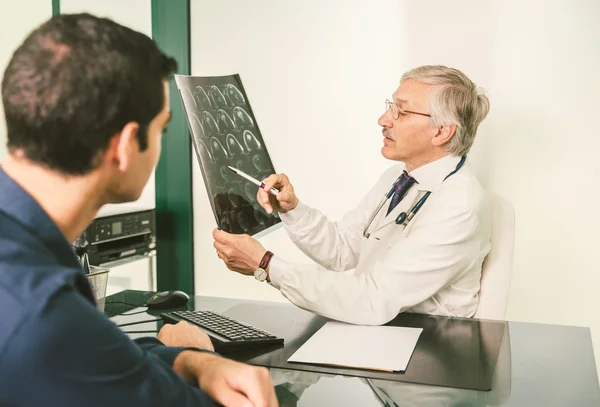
331 244
333 295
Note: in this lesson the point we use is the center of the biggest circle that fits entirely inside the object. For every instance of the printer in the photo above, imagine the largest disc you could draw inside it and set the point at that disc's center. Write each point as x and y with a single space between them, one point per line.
116 235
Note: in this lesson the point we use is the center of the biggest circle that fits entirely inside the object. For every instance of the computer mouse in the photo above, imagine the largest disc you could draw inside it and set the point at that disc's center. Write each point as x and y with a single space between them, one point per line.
167 299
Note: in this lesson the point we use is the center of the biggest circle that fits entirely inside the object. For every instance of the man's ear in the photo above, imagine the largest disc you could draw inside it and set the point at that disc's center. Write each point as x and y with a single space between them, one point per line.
444 135
125 145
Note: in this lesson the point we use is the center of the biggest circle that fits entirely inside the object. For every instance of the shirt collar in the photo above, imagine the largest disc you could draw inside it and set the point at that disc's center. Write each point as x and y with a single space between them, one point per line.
16 203
431 175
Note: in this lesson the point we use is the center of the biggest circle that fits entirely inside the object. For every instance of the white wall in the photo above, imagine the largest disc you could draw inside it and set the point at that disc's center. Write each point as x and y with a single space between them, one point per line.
17 19
135 14
317 73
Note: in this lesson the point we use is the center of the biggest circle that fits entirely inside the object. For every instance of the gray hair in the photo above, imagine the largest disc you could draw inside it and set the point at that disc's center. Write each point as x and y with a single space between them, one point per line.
459 101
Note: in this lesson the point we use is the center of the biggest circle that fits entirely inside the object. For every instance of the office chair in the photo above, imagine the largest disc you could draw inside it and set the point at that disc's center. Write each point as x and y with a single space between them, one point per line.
502 381
496 272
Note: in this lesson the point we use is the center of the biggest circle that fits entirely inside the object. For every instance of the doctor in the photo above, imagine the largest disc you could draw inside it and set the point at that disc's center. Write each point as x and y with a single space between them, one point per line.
417 240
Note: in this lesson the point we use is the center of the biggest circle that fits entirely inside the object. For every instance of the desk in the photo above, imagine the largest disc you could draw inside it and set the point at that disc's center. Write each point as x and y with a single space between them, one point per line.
548 365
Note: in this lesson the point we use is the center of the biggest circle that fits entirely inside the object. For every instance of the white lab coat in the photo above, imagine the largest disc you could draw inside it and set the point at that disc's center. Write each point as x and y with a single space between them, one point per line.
431 266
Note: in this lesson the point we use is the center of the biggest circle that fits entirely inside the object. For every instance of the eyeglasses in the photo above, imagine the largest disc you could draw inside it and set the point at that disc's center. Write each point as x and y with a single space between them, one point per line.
397 111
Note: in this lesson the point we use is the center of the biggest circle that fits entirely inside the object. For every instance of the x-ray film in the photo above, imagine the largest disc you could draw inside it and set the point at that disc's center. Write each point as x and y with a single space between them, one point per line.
224 132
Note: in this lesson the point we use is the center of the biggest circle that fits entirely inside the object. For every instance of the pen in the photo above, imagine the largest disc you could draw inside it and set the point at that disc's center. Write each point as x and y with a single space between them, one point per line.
273 191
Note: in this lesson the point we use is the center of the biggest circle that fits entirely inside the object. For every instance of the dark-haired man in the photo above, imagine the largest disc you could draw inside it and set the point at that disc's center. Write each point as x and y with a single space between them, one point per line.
86 102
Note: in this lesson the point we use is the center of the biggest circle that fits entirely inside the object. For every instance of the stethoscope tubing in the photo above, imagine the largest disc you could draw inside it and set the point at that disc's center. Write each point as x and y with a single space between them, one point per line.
403 217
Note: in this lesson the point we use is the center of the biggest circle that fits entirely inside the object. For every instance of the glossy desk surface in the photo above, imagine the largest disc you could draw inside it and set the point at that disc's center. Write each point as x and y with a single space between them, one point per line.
538 365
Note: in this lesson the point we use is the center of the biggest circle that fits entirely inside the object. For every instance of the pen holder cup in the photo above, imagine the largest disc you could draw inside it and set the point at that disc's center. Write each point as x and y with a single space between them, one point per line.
98 279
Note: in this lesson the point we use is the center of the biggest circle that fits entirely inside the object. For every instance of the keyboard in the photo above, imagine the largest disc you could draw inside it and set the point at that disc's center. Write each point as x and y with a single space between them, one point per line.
225 333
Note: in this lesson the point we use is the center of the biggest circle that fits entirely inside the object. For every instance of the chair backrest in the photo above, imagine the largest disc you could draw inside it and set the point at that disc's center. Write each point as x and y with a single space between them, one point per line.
496 273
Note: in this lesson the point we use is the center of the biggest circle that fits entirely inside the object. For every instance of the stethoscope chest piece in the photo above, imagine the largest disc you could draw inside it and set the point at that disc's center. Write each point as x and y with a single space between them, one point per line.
401 218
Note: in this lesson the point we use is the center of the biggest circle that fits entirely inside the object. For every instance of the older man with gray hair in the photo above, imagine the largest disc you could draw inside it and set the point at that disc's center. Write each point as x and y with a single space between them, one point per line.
415 243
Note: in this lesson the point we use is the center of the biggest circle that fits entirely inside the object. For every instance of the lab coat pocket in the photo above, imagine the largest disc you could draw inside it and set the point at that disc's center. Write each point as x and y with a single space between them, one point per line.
389 232
369 245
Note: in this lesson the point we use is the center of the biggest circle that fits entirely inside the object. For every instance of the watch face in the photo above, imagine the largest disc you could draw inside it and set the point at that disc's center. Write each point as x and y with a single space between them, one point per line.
260 274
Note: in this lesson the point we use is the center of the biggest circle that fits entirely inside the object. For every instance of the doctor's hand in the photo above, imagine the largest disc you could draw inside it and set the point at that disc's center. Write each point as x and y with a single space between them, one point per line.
240 253
286 199
185 335
229 383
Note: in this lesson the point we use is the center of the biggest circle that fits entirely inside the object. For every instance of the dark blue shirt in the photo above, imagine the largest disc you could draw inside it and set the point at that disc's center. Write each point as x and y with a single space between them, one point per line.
56 348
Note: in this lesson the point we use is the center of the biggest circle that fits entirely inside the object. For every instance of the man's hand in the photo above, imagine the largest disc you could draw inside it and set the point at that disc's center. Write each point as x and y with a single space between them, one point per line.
240 253
286 199
184 335
230 383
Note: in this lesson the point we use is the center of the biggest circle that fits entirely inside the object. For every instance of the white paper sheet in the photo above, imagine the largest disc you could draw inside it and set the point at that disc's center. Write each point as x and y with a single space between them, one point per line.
386 348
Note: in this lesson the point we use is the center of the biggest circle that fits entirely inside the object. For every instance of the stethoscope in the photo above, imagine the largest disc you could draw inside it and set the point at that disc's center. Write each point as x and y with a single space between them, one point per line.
403 218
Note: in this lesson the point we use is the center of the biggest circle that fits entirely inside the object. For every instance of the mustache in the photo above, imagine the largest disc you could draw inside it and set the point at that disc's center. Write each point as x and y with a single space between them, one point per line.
387 133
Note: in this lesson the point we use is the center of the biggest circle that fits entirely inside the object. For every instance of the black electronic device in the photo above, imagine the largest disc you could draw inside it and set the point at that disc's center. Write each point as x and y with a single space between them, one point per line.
226 334
167 299
118 236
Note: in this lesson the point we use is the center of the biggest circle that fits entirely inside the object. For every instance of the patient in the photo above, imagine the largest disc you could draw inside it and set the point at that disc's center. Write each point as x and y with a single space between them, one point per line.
86 102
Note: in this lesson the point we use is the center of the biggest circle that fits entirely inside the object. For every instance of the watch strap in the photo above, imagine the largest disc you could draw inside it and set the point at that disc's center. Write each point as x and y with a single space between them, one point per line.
264 262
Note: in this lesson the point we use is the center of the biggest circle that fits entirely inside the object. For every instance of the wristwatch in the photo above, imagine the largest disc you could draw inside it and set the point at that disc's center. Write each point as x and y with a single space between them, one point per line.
261 272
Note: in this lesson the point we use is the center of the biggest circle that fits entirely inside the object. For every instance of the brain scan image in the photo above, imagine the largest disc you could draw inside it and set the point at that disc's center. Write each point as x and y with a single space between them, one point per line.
224 122
218 100
221 202
204 151
235 198
233 146
202 98
242 119
209 125
265 174
230 102
259 163
250 190
243 220
197 129
250 141
261 216
246 218
225 133
218 152
189 98
225 221
234 94
228 176
245 166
